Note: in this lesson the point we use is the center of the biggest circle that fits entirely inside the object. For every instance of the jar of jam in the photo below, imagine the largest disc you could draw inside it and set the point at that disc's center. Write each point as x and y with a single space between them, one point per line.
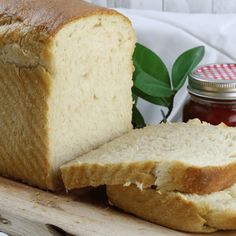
212 90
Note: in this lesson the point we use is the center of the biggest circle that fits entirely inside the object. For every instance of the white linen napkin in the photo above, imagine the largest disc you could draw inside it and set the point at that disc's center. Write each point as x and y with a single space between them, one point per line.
170 34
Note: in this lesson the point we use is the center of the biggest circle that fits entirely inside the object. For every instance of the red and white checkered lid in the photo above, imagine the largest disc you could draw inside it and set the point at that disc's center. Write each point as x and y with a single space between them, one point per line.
217 81
217 72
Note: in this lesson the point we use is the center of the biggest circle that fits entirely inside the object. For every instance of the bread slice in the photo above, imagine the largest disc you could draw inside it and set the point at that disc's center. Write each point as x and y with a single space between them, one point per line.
65 84
185 212
193 157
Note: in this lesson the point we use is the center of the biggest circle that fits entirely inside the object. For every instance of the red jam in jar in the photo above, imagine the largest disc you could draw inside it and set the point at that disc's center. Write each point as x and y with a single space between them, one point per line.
212 90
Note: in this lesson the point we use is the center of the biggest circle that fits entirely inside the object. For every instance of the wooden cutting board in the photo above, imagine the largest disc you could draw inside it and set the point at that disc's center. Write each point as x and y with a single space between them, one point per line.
27 211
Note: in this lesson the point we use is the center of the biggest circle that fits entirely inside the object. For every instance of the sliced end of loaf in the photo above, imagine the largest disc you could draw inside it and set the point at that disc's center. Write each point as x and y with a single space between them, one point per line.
90 101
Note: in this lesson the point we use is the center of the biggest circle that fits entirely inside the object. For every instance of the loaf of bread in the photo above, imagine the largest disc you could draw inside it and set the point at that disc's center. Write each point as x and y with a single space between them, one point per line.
186 212
193 158
65 88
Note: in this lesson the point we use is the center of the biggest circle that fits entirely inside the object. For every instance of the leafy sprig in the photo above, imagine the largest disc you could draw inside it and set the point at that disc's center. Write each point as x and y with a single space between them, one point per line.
153 83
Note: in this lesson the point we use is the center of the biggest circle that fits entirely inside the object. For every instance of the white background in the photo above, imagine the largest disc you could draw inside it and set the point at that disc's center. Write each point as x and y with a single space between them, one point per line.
193 6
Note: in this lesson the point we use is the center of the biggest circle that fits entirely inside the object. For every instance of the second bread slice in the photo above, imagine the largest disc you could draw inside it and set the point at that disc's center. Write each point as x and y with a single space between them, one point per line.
185 212
193 158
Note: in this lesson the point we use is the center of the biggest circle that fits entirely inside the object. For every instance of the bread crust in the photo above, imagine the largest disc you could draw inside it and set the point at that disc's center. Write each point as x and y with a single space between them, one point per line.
84 175
200 180
189 179
170 209
24 144
50 16
209 179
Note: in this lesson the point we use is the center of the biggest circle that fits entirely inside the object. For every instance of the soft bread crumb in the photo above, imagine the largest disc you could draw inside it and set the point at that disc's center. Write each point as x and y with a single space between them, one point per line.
127 184
92 94
139 185
136 183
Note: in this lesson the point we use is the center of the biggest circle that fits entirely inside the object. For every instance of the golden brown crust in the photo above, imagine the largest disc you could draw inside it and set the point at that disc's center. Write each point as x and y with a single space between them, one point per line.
209 179
222 220
23 139
200 180
183 178
49 15
83 175
166 209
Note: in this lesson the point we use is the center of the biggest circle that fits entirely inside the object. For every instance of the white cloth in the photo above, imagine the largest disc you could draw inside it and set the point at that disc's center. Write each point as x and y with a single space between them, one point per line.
170 34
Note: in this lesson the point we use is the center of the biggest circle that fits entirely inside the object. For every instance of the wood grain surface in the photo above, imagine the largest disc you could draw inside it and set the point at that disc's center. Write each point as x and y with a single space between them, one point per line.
27 211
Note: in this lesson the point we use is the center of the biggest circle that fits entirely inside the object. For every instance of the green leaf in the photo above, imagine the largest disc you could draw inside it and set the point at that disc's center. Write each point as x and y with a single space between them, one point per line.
147 61
137 118
152 87
152 81
184 64
155 100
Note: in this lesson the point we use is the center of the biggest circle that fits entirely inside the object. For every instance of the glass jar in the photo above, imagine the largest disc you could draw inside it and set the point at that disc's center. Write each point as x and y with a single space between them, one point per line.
212 90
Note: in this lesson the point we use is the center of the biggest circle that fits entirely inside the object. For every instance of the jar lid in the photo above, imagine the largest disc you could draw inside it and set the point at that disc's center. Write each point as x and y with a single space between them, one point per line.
216 81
